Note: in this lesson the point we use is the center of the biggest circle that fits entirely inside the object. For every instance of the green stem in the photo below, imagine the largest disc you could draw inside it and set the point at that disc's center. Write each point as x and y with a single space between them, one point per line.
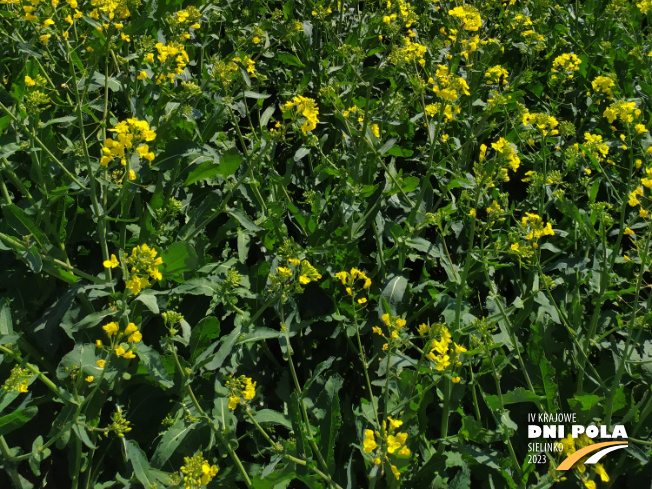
220 436
41 144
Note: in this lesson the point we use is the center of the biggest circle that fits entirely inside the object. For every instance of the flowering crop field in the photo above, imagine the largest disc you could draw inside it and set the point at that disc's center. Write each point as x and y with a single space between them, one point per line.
325 244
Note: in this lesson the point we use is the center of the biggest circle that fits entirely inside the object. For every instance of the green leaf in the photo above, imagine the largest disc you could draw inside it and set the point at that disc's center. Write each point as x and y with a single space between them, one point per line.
15 420
228 164
225 349
139 462
394 290
23 224
245 221
273 417
178 258
289 59
330 424
6 325
585 402
520 394
154 365
38 455
256 95
170 441
149 299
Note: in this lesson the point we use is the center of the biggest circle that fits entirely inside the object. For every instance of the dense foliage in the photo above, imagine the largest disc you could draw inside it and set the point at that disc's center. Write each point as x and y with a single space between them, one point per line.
322 243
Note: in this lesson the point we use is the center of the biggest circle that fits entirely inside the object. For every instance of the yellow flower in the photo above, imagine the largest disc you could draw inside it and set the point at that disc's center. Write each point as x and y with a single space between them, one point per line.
423 329
112 263
111 329
599 470
455 380
377 330
100 363
629 231
48 22
29 81
125 37
295 261
233 402
256 40
45 38
362 300
369 443
208 472
132 175
119 351
142 76
473 213
394 423
129 354
90 379
395 442
99 343
385 318
395 471
136 284
375 130
404 452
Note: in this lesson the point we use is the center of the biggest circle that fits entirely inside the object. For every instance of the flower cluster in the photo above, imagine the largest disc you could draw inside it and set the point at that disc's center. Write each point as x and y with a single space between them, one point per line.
570 446
143 264
120 424
226 72
130 333
394 325
409 53
183 20
541 121
507 152
604 84
468 16
494 75
307 273
639 192
18 380
283 281
448 86
594 144
566 64
355 281
242 389
624 111
307 107
644 6
535 226
173 58
129 134
390 442
441 351
197 472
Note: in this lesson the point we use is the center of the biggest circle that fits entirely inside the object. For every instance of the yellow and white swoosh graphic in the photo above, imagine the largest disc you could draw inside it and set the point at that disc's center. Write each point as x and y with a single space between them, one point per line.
574 457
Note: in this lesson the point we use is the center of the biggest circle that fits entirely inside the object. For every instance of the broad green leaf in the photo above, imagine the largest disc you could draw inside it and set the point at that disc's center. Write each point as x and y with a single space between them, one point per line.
23 224
154 365
273 417
289 59
15 420
178 258
6 326
170 441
